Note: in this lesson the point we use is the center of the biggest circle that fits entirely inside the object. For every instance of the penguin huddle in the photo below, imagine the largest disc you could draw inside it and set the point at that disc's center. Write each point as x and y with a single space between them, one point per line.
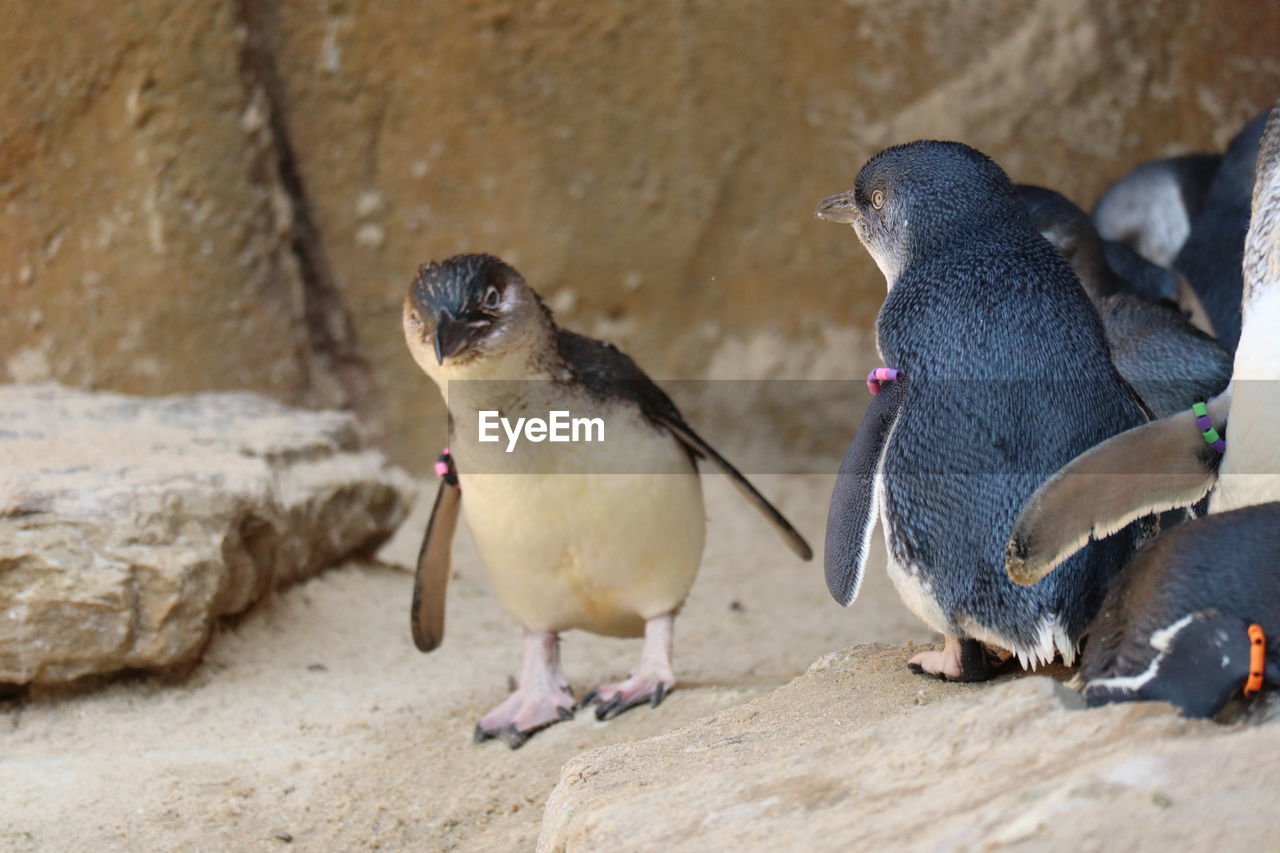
1032 353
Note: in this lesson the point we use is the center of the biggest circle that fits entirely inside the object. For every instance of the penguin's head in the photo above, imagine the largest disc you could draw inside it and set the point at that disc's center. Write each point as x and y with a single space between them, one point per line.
469 309
920 195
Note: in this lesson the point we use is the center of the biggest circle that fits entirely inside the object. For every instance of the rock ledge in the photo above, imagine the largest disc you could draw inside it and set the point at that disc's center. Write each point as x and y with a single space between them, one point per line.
129 525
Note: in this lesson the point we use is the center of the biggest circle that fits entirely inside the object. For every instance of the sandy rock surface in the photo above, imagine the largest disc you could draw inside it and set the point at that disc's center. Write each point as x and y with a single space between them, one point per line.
859 754
128 526
314 716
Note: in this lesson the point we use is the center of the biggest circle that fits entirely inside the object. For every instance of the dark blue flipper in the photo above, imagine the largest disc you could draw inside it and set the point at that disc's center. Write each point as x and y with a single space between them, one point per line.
852 517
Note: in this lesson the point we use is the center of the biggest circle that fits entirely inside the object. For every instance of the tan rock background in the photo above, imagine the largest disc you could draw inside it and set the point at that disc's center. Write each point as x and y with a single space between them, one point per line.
234 194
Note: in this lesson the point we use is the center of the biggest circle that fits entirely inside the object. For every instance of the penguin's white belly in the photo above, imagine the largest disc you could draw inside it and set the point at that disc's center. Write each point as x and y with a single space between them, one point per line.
917 594
914 590
1250 472
598 551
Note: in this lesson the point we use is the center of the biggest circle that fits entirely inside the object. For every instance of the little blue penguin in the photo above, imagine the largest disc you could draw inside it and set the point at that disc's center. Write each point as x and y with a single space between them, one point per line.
1227 450
1211 258
607 541
1175 626
1006 376
1157 349
1151 208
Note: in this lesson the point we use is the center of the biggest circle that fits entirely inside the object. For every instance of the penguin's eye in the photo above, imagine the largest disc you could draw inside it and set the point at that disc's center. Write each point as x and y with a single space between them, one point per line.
877 199
414 318
491 297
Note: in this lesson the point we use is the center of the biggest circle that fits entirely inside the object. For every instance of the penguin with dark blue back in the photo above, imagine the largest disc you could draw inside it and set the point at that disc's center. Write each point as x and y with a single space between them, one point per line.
1211 258
1157 349
1006 376
1194 619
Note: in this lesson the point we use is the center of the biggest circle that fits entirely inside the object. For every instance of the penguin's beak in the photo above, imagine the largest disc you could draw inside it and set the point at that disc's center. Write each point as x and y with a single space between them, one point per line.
452 335
841 208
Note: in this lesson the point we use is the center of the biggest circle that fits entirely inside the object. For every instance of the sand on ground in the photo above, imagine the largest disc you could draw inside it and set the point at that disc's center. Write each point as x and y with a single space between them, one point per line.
313 722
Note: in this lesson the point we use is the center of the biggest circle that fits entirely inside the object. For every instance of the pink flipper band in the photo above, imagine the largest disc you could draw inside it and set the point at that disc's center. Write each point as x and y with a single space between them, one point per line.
878 376
445 469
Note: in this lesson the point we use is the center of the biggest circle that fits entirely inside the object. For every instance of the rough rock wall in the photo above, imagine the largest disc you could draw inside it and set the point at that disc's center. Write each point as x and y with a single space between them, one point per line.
235 194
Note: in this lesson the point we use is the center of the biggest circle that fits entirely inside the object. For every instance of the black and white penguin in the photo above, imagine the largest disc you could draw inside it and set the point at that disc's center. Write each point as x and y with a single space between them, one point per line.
1157 349
1007 375
1175 626
606 540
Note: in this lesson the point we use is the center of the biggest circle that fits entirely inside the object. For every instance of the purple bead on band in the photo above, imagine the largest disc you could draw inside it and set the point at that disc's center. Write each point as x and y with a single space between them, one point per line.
878 376
1207 432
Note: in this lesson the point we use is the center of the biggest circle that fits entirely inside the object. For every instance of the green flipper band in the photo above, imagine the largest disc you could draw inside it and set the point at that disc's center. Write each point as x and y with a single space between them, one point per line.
1207 432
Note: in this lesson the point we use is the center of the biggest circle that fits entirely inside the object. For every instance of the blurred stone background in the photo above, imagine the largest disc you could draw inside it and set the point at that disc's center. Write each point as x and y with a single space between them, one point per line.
234 194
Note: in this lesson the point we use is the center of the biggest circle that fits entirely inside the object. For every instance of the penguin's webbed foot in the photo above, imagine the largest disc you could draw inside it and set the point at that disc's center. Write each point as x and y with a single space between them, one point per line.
958 660
612 699
650 682
524 714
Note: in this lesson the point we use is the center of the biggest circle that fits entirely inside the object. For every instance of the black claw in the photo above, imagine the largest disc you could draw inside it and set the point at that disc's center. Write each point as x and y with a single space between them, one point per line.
610 709
480 735
659 693
513 737
593 696
565 713
916 668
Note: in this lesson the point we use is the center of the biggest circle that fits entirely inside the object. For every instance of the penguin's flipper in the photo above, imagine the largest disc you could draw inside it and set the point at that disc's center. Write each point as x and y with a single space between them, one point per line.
1159 466
604 370
432 575
852 517
1202 661
690 439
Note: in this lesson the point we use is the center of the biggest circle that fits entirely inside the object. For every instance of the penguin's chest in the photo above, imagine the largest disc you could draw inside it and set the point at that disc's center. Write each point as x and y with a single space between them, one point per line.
570 542
1250 472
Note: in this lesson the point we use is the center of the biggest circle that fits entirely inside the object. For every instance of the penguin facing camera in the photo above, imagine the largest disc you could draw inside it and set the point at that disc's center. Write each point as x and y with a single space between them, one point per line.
565 545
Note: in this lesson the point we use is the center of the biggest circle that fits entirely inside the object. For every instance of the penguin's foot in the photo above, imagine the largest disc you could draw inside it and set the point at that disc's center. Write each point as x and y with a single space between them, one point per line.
958 660
523 714
650 682
613 699
542 699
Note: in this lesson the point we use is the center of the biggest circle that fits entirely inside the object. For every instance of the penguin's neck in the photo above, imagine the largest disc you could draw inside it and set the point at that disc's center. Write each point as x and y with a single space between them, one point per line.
529 355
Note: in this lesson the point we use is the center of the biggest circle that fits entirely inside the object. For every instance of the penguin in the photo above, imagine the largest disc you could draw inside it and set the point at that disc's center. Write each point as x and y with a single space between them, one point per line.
1227 450
1156 348
1211 257
1006 375
1175 626
608 542
1151 208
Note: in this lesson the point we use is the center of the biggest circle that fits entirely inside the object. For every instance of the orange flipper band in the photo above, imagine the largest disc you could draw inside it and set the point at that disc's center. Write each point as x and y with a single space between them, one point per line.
1257 660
